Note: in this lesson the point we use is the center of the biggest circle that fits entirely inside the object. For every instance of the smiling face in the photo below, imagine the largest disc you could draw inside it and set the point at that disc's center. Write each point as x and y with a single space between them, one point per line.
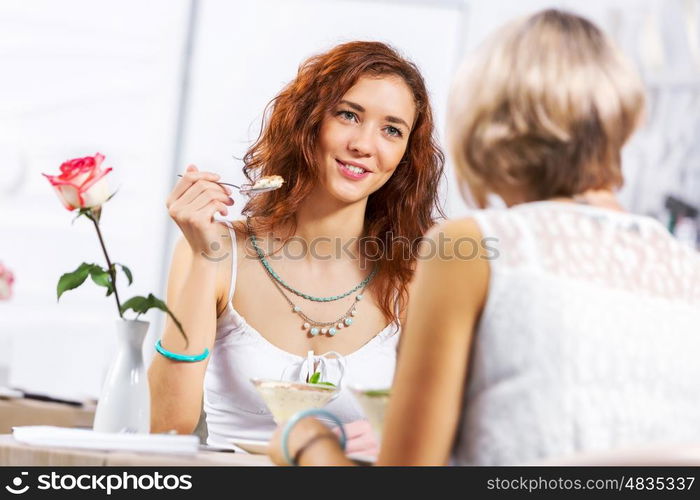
363 139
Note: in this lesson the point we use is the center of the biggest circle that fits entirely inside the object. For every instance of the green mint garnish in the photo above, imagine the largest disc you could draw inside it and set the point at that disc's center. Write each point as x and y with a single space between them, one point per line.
316 379
378 393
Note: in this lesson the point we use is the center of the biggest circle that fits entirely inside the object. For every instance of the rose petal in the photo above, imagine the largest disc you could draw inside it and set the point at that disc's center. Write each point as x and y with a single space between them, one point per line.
99 158
96 195
95 176
73 168
4 291
70 196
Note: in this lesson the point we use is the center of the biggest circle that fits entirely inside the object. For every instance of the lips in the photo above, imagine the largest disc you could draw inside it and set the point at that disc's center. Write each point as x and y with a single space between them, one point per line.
352 171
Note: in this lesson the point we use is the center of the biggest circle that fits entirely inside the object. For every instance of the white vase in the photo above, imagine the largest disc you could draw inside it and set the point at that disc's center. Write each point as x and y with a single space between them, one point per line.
124 404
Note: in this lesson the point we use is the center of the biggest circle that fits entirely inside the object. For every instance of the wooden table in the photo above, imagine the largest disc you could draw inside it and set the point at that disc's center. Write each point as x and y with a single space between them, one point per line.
19 454
32 412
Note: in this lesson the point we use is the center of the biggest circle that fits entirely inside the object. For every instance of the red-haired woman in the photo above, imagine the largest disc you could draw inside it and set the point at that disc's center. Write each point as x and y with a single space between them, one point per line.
315 279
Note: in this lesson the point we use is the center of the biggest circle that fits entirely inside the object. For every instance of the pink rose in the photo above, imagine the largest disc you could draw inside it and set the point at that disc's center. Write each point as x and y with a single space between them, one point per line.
82 182
6 280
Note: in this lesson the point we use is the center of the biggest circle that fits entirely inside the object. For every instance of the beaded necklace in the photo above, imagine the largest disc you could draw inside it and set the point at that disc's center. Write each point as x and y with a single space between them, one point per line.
312 326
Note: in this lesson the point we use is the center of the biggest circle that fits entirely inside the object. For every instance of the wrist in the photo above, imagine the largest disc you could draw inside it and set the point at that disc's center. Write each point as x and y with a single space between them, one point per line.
316 450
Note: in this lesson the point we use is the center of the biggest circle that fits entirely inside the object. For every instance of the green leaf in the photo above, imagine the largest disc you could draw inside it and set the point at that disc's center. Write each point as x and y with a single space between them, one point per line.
316 379
81 212
140 305
95 213
69 281
102 278
127 272
377 393
111 196
137 304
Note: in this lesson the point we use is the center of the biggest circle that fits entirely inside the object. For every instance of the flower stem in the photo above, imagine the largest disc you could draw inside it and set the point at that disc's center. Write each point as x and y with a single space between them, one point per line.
110 267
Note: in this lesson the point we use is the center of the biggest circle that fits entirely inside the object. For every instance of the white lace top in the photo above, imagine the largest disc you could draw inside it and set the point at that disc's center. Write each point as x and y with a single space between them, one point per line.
589 339
234 409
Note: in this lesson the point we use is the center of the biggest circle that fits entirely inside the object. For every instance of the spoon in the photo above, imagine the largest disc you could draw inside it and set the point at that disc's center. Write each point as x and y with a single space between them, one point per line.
247 188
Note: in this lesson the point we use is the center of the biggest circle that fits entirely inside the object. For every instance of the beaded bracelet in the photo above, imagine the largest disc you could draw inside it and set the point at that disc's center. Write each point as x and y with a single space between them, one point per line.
295 420
181 357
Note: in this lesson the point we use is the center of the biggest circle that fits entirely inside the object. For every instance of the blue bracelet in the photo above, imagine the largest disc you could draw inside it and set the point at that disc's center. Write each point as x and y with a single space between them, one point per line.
303 414
181 357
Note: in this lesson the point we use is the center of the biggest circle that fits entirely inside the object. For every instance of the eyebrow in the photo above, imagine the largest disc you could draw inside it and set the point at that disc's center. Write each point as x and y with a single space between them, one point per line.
390 119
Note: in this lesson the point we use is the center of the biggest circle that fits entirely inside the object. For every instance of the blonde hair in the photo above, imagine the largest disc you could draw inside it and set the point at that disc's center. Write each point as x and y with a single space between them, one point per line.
545 108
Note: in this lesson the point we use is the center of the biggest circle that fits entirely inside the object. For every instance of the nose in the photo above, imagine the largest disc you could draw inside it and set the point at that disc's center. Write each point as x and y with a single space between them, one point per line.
362 142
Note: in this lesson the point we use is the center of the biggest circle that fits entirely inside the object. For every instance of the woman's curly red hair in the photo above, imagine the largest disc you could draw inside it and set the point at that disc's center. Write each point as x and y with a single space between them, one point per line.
402 210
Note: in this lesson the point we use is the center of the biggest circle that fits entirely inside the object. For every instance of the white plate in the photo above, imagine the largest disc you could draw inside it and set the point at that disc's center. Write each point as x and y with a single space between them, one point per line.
255 446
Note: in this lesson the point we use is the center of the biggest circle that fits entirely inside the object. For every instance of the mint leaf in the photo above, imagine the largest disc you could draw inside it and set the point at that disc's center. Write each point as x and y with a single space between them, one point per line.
316 379
377 393
69 281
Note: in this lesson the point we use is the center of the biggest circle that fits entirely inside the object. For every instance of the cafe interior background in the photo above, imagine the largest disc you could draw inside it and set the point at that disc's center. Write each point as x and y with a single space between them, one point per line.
157 84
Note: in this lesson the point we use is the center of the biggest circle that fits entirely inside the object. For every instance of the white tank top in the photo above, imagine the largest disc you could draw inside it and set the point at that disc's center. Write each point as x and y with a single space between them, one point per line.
589 339
233 408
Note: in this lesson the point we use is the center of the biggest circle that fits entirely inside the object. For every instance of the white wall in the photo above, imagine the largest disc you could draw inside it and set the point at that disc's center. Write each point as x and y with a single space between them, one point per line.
80 77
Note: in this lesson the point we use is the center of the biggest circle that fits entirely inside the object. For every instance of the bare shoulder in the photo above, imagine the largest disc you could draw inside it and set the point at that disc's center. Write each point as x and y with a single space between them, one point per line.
240 231
465 227
453 257
228 256
240 228
441 243
455 240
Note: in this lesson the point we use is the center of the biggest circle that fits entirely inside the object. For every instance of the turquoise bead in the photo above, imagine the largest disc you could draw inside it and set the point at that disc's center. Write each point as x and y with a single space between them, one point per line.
276 277
332 331
314 331
348 321
359 297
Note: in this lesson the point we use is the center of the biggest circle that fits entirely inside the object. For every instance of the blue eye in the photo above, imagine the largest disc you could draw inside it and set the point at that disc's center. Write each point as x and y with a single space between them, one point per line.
394 132
347 115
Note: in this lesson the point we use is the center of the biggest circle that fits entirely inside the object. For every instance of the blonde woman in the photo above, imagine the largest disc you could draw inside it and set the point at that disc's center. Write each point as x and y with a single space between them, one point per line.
580 333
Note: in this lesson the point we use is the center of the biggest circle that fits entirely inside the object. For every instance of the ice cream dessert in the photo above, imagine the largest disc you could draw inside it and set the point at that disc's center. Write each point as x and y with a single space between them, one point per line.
374 403
284 398
268 182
